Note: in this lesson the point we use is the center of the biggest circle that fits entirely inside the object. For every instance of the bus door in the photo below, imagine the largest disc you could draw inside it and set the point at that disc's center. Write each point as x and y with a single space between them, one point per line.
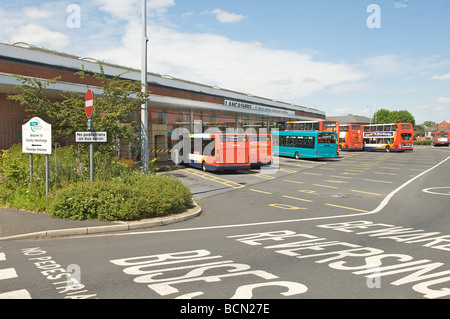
260 148
326 144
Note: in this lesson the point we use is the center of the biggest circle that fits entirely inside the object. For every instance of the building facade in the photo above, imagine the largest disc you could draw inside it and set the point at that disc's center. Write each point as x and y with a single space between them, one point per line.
173 102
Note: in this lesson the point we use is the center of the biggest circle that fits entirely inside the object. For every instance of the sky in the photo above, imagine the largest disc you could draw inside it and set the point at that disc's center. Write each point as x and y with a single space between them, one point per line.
339 56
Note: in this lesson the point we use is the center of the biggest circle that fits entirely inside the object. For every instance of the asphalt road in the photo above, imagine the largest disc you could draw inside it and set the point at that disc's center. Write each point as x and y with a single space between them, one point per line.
366 225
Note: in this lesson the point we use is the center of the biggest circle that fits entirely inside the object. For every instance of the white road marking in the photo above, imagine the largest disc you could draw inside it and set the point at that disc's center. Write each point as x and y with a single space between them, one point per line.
16 294
383 204
7 273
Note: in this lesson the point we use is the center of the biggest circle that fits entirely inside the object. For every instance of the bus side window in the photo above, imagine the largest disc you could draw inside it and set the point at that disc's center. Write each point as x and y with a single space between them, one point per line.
209 147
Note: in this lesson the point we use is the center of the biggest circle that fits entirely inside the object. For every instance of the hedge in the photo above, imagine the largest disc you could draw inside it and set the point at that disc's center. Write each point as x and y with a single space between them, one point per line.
139 197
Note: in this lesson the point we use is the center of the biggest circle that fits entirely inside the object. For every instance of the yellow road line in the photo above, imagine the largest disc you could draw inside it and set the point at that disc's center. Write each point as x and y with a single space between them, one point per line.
264 176
376 181
258 191
366 192
300 199
297 182
336 176
349 208
287 170
382 173
334 181
214 179
307 191
298 165
324 186
313 174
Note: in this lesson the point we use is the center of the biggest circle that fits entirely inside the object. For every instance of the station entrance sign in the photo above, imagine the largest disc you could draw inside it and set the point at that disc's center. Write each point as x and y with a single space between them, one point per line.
37 137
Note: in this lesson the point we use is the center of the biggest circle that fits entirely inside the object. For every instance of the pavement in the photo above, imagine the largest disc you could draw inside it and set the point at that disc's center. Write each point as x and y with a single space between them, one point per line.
18 224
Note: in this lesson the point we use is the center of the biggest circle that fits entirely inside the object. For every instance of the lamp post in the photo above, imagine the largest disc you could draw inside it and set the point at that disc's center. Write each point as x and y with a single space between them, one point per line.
144 107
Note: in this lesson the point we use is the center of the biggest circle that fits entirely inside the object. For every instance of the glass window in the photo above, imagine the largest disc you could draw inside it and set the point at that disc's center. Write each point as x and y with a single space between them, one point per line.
326 138
233 138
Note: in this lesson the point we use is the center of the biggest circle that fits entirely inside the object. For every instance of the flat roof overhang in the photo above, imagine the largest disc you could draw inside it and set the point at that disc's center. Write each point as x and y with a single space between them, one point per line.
26 54
8 83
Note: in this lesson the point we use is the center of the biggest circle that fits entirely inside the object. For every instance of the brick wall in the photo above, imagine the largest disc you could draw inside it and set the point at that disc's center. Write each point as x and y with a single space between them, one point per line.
12 117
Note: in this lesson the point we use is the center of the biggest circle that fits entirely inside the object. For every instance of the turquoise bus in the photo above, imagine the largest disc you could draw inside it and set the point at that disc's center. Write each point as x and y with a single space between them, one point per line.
300 144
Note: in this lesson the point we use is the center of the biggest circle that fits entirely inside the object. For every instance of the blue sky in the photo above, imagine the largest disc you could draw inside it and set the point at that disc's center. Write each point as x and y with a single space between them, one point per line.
318 53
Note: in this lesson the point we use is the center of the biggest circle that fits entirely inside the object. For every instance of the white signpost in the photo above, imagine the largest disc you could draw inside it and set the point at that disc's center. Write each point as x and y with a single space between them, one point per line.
37 139
91 137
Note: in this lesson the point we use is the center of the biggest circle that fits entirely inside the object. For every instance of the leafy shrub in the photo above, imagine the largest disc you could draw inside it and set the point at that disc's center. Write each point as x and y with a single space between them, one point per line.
118 193
135 197
423 142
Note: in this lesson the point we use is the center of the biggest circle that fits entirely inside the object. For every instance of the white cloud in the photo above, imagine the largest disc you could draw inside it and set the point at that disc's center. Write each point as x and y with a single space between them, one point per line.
38 35
401 4
443 100
442 77
387 65
247 67
131 9
226 17
36 13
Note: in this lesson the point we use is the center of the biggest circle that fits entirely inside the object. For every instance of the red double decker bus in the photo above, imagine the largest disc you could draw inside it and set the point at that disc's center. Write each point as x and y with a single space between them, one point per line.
260 149
441 138
210 152
395 137
351 137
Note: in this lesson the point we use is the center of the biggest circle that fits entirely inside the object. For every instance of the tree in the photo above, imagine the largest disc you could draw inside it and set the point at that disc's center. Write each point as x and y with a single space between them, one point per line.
115 110
384 116
381 116
429 123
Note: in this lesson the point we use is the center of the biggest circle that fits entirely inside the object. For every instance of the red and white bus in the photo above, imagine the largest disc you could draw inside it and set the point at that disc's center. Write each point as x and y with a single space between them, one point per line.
441 138
351 137
260 149
225 151
394 137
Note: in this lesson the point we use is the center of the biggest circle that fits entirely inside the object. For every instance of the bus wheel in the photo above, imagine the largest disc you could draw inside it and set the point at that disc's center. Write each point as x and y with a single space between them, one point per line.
388 149
203 166
296 155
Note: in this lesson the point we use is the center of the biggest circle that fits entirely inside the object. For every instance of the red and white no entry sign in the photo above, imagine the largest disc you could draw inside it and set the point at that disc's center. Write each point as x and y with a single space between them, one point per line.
89 103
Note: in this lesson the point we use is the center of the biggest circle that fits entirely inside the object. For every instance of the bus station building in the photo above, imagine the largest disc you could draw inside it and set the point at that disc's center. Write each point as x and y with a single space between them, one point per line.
173 102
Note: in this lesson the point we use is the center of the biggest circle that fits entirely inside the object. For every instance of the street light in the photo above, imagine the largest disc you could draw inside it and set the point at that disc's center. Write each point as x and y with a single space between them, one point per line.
144 107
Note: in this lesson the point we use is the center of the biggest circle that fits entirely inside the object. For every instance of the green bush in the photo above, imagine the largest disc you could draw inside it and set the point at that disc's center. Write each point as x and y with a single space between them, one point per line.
135 197
423 142
118 193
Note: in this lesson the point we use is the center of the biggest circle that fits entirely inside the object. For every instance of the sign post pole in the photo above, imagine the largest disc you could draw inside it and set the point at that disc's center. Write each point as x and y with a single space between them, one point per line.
89 103
46 176
31 170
